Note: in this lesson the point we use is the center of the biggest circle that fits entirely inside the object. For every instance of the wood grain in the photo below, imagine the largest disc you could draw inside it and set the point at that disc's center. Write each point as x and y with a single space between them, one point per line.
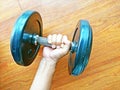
103 70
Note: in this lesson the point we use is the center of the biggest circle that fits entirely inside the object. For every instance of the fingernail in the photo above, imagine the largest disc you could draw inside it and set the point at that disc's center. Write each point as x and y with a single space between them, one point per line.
49 41
53 46
62 45
58 47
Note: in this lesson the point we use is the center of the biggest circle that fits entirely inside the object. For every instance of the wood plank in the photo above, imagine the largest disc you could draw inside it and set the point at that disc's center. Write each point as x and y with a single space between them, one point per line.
8 9
102 72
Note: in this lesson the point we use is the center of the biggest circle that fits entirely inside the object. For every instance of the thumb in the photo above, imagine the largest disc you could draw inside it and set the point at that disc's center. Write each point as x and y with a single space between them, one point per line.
66 43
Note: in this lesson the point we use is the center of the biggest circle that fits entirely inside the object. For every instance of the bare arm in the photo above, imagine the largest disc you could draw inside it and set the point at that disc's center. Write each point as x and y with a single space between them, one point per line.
46 69
43 78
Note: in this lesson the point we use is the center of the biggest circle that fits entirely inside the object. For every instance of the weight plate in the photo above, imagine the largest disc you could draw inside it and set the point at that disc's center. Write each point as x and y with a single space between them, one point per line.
22 51
82 44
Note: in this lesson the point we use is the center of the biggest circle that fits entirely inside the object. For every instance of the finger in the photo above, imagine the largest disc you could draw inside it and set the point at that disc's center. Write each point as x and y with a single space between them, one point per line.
59 40
54 36
49 39
65 40
66 43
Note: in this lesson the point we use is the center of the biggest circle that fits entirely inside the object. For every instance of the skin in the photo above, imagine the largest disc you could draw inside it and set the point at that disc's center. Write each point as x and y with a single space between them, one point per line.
51 55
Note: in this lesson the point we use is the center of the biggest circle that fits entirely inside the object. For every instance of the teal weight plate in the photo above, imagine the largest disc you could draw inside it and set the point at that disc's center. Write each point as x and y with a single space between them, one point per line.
22 51
83 38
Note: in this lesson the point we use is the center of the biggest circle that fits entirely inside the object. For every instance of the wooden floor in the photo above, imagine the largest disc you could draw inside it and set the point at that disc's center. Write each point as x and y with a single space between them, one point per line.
61 16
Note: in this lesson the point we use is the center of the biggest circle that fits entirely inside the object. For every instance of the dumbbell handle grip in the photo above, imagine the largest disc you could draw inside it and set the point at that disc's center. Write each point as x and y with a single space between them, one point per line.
43 41
36 39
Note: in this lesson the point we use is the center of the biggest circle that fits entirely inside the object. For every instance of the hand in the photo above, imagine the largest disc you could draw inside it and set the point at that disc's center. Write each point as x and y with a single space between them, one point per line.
60 47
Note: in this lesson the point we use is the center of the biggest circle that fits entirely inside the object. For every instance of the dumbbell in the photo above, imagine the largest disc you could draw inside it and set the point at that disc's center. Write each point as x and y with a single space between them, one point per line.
26 39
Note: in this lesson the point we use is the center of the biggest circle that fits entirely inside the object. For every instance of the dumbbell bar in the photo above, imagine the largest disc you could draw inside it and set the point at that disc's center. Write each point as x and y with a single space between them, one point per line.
36 39
27 37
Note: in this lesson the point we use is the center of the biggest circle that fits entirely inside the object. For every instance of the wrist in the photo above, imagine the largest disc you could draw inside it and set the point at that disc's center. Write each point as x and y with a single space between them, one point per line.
50 60
46 67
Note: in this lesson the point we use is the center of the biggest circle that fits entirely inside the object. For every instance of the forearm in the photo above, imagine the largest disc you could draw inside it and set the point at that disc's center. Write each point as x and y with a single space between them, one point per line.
43 77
